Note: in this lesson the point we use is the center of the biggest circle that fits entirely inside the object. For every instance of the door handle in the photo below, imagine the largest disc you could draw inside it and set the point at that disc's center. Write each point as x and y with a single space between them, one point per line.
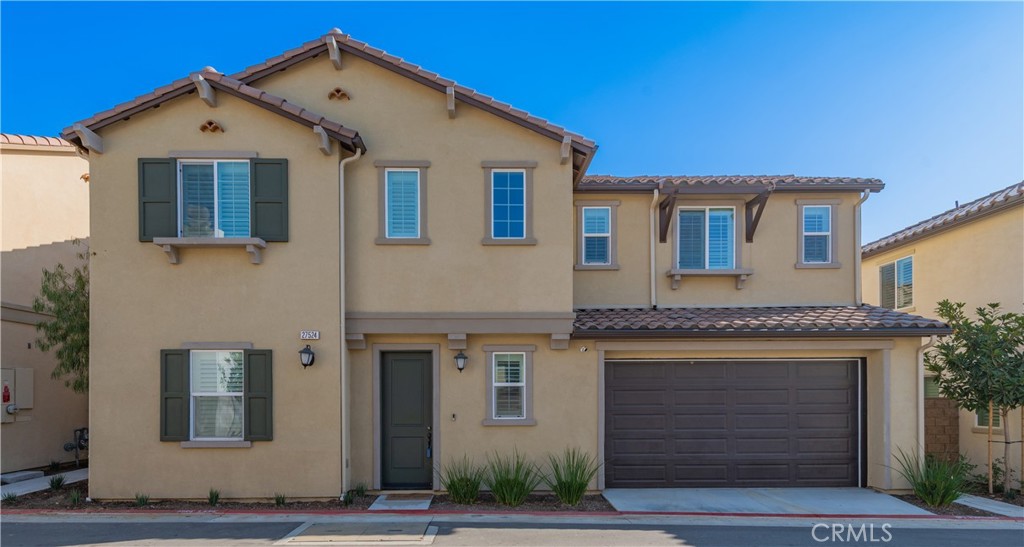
430 442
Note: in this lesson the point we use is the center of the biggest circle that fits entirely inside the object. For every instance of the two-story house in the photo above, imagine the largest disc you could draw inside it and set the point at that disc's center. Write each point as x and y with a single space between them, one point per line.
972 253
458 285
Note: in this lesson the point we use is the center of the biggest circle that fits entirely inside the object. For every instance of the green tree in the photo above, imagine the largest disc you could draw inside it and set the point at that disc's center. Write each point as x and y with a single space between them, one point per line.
64 296
982 362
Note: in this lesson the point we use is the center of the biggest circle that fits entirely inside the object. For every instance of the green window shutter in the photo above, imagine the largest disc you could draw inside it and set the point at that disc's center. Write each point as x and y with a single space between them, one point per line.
259 400
158 198
887 286
174 395
269 192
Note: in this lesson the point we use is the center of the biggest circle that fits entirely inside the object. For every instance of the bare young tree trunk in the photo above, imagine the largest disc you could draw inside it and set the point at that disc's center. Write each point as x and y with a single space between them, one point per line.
1004 414
990 489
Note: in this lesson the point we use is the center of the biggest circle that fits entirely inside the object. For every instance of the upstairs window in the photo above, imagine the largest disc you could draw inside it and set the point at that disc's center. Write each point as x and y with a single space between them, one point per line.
706 238
896 284
508 204
597 235
817 234
402 203
215 198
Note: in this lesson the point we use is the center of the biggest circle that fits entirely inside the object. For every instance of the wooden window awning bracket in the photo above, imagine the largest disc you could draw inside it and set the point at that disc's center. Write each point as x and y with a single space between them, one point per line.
206 92
333 51
323 140
665 208
450 101
566 149
753 217
90 140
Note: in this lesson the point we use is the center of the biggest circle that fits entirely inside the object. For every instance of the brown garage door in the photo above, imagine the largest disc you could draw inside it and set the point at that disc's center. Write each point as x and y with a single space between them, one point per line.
732 423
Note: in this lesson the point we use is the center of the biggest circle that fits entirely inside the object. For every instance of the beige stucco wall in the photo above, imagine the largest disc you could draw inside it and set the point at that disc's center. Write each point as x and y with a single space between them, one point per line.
142 303
564 402
976 263
400 119
886 401
772 256
44 197
45 205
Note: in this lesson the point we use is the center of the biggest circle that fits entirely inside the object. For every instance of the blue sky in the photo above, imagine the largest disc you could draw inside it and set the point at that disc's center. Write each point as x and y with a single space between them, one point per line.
929 97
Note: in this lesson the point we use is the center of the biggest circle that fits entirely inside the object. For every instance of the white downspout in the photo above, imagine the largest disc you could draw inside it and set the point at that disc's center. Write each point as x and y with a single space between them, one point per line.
858 298
654 235
920 395
346 422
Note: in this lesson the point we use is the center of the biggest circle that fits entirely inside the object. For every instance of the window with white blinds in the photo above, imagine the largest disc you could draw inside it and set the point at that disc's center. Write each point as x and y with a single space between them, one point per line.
509 385
597 235
817 234
214 198
706 238
896 284
402 189
217 379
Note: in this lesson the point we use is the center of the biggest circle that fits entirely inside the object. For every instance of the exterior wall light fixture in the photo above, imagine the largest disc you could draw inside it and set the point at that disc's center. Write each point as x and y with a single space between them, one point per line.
460 361
306 356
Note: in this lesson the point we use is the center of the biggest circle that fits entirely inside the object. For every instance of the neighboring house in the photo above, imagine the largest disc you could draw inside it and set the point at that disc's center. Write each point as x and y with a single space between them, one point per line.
45 206
973 253
465 231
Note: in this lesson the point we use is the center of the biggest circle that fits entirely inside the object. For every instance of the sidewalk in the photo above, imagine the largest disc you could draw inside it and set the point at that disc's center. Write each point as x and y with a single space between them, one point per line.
42 483
992 506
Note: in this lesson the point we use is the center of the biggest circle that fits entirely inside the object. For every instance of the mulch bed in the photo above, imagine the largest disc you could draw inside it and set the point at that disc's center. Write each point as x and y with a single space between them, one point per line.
534 503
951 510
59 500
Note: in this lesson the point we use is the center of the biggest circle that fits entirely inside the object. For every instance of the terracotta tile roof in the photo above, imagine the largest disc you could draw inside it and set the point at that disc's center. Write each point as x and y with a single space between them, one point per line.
646 183
416 72
741 322
229 85
996 201
32 140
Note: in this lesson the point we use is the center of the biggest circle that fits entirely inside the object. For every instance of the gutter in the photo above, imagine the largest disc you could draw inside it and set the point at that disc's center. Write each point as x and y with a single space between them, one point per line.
346 398
653 234
920 395
858 297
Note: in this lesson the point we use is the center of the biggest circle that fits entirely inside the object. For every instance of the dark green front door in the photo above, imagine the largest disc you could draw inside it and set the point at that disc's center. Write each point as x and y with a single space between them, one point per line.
406 417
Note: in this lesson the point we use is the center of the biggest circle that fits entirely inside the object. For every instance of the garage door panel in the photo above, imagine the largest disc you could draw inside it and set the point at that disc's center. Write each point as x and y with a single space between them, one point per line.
731 423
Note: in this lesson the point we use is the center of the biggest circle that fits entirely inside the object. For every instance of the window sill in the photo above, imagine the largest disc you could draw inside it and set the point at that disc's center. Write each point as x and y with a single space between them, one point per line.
173 245
216 444
402 241
585 267
519 422
741 275
984 430
520 241
818 266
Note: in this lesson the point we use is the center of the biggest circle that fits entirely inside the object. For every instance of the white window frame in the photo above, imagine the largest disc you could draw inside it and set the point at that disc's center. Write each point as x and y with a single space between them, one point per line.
804 234
216 201
896 281
193 394
387 202
707 236
525 205
495 385
995 416
584 235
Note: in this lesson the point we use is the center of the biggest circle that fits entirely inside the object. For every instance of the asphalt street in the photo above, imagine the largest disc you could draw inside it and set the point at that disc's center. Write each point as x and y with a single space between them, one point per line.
466 530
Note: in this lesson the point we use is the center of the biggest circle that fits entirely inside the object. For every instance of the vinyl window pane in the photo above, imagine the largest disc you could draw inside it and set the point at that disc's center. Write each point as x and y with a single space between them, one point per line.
218 417
816 249
691 240
508 368
721 239
217 371
508 204
595 249
509 402
596 221
403 203
982 417
817 219
905 282
233 198
197 200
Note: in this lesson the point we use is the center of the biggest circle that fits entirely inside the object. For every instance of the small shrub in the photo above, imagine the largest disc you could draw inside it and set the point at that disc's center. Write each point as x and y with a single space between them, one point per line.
462 479
280 500
978 482
213 497
141 500
10 498
348 498
571 472
54 465
936 482
57 482
511 478
75 496
360 490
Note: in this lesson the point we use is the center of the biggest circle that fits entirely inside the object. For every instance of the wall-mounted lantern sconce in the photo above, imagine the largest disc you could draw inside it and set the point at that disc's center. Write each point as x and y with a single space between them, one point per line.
306 356
460 361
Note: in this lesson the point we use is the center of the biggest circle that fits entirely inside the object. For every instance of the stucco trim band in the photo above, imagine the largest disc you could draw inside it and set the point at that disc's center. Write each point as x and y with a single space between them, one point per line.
213 154
458 322
17 313
217 345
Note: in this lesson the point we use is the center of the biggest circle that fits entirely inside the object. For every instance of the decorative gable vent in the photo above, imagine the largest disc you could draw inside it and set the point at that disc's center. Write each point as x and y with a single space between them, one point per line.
338 93
211 126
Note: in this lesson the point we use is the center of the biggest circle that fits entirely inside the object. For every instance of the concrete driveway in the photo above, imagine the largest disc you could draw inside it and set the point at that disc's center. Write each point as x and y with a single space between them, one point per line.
764 501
